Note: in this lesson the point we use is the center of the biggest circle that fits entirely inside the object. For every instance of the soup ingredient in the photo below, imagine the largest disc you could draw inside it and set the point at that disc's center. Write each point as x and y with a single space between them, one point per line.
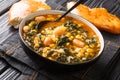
26 28
48 41
62 41
68 40
59 31
78 43
24 7
40 18
100 17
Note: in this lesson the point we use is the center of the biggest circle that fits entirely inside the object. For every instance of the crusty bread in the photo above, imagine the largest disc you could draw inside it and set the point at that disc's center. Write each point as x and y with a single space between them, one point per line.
24 7
100 17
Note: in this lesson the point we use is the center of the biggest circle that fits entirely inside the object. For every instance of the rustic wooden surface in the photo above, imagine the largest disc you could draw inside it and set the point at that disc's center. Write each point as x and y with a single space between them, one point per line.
18 71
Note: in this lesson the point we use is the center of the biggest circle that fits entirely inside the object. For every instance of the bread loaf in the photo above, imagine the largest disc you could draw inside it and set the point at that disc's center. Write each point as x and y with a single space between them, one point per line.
100 17
24 7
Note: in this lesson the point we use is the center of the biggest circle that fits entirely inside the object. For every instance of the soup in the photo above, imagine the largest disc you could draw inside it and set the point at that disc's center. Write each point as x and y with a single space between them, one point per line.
67 41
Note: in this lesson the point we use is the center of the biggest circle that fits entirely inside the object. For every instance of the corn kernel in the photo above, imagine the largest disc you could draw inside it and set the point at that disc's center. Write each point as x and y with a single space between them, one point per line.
42 38
71 37
68 34
79 37
87 54
31 24
50 32
36 40
34 30
98 45
55 39
67 44
82 51
46 49
52 45
44 54
92 45
42 31
50 58
63 28
36 45
80 55
90 50
86 46
78 31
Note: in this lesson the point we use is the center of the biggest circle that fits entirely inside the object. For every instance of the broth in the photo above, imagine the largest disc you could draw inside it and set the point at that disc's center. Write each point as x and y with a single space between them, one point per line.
68 40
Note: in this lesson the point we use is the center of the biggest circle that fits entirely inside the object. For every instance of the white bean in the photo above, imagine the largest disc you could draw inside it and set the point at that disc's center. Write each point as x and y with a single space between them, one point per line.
78 43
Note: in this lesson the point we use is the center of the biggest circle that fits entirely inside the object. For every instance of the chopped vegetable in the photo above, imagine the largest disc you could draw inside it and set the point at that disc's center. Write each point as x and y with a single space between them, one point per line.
63 40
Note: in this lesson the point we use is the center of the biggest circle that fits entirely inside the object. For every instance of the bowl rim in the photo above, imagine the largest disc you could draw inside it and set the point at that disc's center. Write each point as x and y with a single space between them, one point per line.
43 12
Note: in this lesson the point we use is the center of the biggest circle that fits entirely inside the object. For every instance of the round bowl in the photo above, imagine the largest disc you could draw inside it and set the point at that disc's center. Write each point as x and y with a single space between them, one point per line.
50 63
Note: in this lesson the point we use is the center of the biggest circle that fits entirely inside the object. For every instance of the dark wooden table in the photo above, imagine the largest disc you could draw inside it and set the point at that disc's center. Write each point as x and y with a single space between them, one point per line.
18 66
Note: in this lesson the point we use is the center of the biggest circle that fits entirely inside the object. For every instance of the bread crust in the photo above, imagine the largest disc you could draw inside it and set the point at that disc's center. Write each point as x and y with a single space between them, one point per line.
100 17
24 7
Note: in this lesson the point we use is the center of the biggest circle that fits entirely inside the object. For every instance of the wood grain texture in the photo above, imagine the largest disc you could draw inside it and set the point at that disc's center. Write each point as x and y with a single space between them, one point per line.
5 5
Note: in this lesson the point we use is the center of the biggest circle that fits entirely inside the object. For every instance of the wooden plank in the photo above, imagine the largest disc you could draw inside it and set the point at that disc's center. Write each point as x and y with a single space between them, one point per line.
8 74
5 5
5 29
3 66
115 74
95 72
